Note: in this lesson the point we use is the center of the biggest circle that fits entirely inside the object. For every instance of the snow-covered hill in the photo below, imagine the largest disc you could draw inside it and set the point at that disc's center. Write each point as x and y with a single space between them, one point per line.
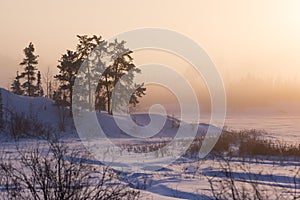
43 111
36 107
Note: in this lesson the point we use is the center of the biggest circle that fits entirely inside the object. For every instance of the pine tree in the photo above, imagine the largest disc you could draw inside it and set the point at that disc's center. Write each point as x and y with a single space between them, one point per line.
122 65
29 62
39 89
16 86
90 77
68 67
68 71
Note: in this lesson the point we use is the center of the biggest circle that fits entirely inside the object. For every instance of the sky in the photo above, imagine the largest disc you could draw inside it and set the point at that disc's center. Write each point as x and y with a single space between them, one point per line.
259 38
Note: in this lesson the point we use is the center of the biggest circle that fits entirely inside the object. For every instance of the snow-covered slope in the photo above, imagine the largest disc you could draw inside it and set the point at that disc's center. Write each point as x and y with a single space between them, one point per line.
45 112
39 107
169 128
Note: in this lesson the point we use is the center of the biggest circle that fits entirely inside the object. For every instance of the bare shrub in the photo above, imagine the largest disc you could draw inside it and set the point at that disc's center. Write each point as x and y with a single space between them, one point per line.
21 126
247 143
56 172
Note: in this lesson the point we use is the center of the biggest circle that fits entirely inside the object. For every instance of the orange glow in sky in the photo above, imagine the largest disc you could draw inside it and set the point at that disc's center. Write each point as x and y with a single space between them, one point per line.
257 37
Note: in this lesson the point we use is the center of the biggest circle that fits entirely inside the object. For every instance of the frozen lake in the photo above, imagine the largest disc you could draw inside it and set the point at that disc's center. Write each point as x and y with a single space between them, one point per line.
285 127
281 126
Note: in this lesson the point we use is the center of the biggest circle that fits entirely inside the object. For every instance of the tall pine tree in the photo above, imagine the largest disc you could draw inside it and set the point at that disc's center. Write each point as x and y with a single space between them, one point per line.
29 62
89 78
68 67
122 65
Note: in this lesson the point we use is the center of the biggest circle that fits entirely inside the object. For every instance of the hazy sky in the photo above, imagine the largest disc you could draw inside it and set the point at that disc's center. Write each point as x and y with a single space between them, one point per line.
256 36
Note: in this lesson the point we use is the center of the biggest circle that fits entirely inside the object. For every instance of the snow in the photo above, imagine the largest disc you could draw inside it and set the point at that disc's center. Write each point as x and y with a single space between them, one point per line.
185 178
44 111
39 107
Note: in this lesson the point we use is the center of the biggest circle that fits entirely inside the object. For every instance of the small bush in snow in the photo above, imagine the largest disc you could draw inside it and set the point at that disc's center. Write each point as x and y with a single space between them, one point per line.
56 172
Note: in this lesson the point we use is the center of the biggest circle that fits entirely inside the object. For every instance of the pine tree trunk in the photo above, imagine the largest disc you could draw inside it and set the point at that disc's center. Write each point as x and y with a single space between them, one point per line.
108 96
89 89
28 86
71 101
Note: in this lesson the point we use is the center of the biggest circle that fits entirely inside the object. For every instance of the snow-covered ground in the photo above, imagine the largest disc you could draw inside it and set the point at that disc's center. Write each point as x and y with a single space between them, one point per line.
185 178
188 178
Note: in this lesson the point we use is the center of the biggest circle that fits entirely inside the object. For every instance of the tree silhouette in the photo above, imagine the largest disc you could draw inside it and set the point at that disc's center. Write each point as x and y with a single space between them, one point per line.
16 86
68 67
29 62
122 65
90 77
39 89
